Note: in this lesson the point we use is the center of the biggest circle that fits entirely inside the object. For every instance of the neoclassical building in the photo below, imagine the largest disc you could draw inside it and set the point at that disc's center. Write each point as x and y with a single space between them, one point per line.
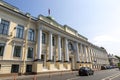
29 44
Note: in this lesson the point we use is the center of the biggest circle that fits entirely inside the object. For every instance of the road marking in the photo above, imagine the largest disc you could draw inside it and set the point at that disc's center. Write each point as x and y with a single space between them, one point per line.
111 77
73 78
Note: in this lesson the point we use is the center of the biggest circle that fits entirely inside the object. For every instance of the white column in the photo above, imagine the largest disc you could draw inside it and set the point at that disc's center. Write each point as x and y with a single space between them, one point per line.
90 55
59 48
77 52
81 52
12 53
50 47
88 52
84 54
39 47
66 50
21 54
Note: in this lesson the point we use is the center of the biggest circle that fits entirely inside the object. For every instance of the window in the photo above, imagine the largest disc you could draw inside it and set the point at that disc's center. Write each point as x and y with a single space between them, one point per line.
42 57
31 35
29 68
17 51
30 52
70 46
0 66
2 46
43 38
4 26
53 41
61 43
15 68
19 32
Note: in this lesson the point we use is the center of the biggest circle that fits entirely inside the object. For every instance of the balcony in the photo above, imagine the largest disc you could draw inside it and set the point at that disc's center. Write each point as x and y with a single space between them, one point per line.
4 37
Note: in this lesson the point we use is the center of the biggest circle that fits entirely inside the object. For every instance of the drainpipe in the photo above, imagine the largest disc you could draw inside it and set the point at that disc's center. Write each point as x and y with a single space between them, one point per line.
26 42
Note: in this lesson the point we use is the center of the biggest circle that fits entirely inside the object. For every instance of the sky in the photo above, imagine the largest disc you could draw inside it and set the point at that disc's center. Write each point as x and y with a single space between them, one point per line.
98 20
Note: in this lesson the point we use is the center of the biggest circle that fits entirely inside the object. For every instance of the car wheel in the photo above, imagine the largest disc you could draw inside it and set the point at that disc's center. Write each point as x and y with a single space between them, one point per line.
88 74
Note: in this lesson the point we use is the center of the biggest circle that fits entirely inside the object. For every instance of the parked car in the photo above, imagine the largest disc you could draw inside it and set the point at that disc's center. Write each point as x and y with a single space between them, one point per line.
85 71
103 67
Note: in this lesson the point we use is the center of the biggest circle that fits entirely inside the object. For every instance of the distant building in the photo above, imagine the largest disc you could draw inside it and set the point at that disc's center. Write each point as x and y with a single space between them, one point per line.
113 60
29 44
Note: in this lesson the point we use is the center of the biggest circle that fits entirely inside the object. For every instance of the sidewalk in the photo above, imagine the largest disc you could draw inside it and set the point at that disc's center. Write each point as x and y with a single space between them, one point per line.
32 76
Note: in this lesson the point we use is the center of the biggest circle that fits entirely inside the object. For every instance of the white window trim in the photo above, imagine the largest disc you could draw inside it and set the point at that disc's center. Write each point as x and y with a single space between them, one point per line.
13 46
30 59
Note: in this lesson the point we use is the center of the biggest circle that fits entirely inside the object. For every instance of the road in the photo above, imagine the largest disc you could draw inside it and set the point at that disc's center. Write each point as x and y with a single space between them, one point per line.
111 74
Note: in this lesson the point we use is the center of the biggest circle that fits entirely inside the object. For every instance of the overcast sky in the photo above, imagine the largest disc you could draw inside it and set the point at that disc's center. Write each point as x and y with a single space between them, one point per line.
98 20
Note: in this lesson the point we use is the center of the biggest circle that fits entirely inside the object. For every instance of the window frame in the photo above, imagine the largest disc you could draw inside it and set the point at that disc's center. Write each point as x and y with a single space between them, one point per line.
53 41
31 34
4 26
43 38
2 53
15 54
13 70
32 52
19 31
29 69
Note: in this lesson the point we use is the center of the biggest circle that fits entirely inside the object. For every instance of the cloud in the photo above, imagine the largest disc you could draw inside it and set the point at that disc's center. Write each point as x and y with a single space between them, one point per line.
109 42
105 38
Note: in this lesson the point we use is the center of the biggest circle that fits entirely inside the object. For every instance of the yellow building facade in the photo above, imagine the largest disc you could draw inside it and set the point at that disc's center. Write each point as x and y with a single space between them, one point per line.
36 45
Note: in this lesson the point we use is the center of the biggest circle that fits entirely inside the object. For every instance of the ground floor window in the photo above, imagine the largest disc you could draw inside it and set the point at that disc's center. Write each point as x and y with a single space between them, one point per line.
29 68
0 66
2 49
15 68
42 57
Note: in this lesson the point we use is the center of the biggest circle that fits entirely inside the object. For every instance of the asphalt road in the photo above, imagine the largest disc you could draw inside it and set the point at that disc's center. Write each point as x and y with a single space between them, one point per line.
111 74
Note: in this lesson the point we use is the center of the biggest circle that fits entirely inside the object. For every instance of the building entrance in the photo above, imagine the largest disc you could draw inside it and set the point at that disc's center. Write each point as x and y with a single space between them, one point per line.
72 62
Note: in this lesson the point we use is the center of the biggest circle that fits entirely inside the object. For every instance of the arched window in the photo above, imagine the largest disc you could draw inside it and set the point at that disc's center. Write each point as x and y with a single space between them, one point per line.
70 46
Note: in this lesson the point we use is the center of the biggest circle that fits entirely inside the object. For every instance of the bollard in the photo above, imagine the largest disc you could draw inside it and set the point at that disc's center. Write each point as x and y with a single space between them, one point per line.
61 73
72 71
50 75
34 78
14 77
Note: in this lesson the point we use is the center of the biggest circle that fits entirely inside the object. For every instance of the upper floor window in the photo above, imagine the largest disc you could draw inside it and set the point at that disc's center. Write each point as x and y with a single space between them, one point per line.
30 52
2 46
43 38
19 32
31 35
17 51
4 26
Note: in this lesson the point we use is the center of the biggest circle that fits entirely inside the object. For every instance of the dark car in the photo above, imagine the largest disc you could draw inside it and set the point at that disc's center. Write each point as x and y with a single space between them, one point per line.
85 71
103 67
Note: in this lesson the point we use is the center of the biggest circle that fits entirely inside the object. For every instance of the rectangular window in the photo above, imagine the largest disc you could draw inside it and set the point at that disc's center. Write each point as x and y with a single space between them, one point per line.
31 34
53 41
43 38
17 51
30 52
19 32
4 26
61 43
29 68
2 46
0 66
15 68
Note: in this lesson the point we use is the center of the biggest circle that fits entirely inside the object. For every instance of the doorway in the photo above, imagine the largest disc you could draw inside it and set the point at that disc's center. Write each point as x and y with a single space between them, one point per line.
72 62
